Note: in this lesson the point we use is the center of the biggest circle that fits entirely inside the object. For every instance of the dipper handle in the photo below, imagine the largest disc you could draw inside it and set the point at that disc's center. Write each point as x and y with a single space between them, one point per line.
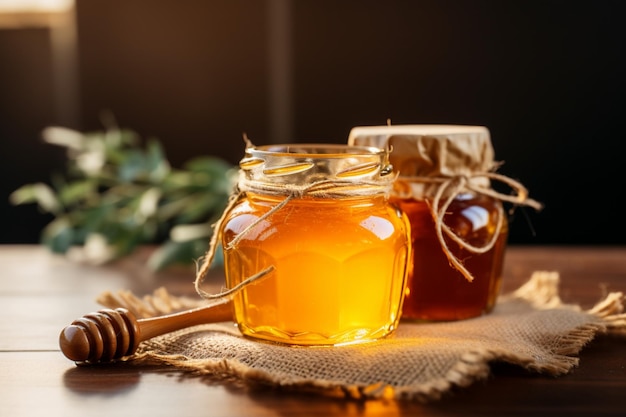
111 334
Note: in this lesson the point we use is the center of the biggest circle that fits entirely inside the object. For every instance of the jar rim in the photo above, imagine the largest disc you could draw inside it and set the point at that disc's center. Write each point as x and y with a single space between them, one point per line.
301 165
417 130
316 150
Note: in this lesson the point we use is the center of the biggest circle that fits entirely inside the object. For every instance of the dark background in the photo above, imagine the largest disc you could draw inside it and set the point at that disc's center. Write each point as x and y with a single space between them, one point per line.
545 76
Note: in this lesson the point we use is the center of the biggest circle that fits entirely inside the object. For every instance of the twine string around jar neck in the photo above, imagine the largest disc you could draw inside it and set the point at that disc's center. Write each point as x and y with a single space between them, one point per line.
449 188
326 188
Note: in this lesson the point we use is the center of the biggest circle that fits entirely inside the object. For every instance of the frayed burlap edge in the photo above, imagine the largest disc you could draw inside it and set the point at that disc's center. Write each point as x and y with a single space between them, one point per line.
541 291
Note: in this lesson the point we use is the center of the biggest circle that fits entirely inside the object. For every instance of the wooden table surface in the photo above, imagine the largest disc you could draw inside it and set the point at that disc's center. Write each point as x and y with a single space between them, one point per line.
41 293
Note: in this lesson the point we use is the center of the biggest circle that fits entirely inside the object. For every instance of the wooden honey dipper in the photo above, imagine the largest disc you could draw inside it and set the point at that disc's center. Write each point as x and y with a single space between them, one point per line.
111 334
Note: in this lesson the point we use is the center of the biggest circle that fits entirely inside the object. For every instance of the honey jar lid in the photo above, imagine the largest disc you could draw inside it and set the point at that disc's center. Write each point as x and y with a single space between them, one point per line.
431 150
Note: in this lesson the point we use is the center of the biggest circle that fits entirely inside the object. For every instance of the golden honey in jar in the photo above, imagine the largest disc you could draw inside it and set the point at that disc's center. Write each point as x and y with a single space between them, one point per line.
459 228
316 220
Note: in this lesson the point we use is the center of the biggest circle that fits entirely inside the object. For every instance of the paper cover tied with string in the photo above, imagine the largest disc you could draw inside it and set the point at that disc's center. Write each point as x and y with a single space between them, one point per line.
459 226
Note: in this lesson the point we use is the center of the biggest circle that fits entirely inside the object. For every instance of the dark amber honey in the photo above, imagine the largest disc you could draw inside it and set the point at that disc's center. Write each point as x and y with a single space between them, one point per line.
458 225
435 289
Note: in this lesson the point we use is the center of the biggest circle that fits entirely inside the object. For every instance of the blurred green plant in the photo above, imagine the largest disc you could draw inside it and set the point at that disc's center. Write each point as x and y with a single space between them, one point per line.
117 195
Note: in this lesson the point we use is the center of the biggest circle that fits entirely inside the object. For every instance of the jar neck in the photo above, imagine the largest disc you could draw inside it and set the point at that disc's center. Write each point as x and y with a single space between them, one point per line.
325 188
324 171
360 200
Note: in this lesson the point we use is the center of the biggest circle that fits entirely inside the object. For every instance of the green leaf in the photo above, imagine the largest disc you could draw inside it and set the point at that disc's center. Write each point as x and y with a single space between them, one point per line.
127 137
187 232
171 253
186 252
148 203
132 166
156 164
39 193
126 195
94 219
62 136
126 241
77 191
202 207
115 138
58 235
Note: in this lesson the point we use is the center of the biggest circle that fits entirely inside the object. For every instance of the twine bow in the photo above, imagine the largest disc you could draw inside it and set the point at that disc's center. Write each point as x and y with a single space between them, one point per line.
451 187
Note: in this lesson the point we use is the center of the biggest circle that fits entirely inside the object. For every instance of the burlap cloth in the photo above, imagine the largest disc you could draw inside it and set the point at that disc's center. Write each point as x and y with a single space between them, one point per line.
530 327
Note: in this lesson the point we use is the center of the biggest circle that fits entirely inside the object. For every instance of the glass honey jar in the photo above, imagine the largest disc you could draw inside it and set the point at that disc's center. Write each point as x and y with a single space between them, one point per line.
315 221
459 228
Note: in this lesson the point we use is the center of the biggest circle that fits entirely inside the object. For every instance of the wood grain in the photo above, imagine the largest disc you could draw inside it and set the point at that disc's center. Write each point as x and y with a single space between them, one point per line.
40 294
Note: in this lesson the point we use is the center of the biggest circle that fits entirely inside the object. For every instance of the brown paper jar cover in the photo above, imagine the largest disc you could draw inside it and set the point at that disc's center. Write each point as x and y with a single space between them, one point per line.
431 151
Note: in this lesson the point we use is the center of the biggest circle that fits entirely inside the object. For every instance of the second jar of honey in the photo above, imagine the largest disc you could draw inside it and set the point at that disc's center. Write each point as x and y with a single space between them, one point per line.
315 220
458 225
